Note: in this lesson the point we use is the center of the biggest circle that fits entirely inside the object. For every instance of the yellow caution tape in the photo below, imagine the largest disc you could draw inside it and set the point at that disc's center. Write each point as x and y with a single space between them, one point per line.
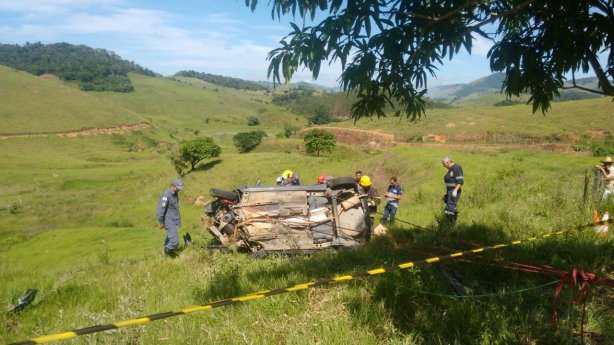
298 287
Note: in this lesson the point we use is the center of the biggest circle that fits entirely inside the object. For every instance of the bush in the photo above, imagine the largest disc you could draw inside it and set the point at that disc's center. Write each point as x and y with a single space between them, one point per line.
253 121
247 141
321 116
192 152
319 140
289 130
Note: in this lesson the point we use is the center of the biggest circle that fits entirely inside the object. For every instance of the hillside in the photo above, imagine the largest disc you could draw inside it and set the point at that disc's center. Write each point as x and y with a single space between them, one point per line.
45 104
487 92
93 69
570 123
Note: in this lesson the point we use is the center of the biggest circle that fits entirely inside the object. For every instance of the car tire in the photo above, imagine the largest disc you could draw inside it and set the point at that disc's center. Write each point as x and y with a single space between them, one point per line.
224 194
343 183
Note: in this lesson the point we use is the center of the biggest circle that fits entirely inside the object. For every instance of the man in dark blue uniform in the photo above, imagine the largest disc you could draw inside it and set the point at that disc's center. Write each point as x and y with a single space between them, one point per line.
168 216
453 181
393 195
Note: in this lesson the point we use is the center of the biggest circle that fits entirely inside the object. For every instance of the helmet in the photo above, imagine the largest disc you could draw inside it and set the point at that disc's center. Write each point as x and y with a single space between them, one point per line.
279 179
287 174
365 181
321 178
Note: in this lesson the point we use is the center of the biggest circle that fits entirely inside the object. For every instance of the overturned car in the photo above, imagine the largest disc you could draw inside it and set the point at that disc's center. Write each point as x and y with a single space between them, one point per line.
290 219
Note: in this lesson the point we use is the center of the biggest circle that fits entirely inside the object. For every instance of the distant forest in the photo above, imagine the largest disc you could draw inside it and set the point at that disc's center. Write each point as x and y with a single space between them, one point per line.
93 69
234 83
324 107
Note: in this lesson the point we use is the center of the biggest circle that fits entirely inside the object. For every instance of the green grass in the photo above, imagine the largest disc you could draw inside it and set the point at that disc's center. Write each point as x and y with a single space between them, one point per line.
77 223
34 104
566 122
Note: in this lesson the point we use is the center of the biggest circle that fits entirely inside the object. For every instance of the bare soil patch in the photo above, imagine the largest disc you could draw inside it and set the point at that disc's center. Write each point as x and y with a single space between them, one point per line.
82 132
374 139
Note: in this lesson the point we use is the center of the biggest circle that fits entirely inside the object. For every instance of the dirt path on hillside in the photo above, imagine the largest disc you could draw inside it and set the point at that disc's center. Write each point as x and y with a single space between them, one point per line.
81 132
378 139
372 138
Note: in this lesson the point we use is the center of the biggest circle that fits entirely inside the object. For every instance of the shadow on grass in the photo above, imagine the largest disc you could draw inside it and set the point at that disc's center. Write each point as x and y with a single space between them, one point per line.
420 302
207 166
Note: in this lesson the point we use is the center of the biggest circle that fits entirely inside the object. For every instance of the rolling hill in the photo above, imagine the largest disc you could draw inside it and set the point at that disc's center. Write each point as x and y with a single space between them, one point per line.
487 91
43 104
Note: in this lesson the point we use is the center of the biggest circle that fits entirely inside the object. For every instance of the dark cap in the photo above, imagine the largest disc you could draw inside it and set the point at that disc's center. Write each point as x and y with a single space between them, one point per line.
178 183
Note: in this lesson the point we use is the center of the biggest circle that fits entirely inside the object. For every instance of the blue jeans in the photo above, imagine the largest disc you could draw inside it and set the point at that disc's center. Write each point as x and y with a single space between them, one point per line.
389 210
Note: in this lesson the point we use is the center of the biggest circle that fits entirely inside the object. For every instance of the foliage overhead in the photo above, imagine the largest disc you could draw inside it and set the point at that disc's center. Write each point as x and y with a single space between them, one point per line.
388 48
195 150
319 140
93 69
247 141
234 83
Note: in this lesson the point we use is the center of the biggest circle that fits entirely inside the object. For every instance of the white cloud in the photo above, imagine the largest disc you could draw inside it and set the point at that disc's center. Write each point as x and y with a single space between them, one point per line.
481 46
162 41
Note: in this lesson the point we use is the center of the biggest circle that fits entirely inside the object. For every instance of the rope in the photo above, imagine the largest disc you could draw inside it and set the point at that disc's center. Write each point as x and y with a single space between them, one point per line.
487 295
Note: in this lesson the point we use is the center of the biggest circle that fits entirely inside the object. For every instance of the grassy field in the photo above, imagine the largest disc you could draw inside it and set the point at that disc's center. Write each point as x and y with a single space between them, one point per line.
78 224
568 122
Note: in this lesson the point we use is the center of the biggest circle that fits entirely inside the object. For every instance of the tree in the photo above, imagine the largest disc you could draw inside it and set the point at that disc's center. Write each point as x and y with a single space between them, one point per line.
321 116
247 141
318 140
195 150
387 48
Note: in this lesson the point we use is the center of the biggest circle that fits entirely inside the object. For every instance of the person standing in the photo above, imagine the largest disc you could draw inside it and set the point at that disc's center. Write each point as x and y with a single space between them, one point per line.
453 181
393 195
607 173
372 194
168 216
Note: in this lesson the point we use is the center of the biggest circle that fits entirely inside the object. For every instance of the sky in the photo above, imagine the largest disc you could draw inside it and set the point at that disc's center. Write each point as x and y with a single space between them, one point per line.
221 37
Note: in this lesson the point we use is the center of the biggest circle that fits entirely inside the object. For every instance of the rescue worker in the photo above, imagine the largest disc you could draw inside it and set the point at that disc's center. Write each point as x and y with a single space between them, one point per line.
322 179
168 216
393 195
365 188
373 200
453 180
290 178
607 175
358 175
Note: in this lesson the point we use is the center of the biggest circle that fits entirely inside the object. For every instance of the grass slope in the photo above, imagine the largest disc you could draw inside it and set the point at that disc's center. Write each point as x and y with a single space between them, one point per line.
34 104
574 120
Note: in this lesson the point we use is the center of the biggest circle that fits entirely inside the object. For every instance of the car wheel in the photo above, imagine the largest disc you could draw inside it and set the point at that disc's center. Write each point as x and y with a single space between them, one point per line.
343 183
224 194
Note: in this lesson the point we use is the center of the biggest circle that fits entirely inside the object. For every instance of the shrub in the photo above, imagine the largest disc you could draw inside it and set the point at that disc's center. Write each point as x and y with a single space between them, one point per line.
319 140
289 130
321 116
253 121
247 141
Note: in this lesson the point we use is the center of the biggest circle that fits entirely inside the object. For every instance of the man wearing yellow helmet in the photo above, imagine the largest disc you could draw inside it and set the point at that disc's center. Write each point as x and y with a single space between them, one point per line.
288 178
373 197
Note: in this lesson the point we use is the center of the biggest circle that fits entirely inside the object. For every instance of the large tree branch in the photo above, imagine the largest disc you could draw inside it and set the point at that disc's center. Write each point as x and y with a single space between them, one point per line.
606 86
